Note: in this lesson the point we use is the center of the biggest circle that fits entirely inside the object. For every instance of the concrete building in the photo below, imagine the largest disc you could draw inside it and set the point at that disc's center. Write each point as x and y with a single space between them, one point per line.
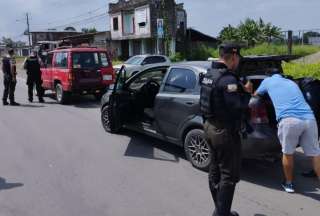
314 41
136 26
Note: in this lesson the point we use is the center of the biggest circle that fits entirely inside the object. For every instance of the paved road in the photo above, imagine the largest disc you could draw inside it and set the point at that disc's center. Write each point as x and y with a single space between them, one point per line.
58 161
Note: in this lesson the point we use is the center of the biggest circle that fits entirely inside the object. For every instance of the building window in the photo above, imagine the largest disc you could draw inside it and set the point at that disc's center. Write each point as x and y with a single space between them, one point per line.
115 24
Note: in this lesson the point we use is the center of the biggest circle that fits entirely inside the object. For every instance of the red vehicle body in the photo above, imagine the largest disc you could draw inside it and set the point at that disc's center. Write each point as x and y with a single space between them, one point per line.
70 71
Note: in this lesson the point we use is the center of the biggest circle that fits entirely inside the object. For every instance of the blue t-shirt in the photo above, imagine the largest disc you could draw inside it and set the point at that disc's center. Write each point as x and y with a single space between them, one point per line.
286 97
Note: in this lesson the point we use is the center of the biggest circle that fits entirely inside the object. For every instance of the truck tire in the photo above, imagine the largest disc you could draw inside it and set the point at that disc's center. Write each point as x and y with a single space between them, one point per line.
61 95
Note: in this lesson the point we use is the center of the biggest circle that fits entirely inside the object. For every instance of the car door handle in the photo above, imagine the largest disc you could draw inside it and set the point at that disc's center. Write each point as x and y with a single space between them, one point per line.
189 103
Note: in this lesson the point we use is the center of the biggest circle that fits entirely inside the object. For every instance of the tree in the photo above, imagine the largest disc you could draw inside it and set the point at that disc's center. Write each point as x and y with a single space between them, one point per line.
8 42
309 34
229 33
251 32
89 30
70 28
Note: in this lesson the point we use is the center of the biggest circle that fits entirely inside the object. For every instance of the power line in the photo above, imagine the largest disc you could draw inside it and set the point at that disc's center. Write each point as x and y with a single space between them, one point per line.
74 17
81 21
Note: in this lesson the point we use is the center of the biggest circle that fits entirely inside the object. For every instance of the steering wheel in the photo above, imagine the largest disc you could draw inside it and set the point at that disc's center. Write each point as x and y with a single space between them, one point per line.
149 91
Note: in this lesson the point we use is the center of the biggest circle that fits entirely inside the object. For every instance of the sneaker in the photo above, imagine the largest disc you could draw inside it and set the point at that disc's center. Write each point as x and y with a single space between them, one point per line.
14 103
5 103
288 187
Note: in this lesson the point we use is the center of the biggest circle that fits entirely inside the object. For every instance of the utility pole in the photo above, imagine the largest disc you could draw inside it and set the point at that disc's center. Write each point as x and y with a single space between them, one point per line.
28 29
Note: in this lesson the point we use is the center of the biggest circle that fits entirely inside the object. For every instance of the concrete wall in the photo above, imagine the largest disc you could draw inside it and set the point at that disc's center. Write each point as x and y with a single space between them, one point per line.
116 34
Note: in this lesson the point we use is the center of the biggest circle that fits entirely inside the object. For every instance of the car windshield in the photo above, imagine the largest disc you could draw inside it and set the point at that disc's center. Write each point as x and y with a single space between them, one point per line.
135 60
89 60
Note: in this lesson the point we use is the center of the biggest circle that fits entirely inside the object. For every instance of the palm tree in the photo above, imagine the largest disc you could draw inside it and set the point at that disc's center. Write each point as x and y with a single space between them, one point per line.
229 33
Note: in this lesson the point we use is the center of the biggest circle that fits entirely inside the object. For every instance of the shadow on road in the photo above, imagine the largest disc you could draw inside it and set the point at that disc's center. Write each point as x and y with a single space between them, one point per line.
79 101
270 175
6 186
150 148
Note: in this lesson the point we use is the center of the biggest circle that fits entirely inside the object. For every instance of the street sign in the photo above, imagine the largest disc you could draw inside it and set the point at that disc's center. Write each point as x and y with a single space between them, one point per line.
160 31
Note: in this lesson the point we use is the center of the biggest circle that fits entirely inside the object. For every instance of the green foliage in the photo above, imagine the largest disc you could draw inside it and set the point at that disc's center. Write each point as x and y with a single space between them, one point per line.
272 49
251 32
177 57
89 30
302 70
201 53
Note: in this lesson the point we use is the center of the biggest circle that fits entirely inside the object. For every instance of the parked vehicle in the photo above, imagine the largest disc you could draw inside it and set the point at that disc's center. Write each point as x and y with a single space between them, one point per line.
70 71
163 102
138 63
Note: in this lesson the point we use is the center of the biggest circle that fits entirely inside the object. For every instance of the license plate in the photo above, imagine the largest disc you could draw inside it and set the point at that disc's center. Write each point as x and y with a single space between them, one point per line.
107 77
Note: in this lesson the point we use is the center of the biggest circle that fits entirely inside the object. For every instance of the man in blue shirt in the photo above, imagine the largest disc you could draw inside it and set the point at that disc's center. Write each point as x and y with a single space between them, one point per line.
296 123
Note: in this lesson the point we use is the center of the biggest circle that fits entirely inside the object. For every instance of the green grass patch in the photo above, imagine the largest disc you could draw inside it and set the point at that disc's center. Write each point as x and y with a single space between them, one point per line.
298 70
272 49
117 62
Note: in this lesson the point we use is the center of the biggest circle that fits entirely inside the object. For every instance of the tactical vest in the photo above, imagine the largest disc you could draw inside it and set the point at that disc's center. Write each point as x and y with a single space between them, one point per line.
211 95
33 66
6 66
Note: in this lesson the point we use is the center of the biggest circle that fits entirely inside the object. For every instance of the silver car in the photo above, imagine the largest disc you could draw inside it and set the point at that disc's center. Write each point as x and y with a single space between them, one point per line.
139 63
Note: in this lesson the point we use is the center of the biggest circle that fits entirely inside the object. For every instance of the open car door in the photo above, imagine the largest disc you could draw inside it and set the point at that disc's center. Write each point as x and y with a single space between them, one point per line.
118 110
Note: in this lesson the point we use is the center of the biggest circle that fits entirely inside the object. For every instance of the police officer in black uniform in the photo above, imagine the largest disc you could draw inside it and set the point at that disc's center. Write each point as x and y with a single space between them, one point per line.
9 78
224 101
32 66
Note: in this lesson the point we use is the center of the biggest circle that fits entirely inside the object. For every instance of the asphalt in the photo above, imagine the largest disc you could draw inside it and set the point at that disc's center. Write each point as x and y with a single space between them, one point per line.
57 160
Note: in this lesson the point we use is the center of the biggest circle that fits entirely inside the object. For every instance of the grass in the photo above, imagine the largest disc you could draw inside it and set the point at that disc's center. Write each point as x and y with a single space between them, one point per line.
117 62
298 70
272 49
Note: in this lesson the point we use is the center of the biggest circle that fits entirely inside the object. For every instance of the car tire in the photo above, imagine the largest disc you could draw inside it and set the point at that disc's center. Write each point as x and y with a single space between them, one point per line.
61 95
197 149
109 121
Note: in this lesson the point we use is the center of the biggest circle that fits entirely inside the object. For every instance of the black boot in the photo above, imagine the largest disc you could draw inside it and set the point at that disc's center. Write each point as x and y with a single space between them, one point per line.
41 100
224 200
5 103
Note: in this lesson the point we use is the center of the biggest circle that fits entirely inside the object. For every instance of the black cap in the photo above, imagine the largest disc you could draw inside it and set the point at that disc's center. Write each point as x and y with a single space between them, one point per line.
230 48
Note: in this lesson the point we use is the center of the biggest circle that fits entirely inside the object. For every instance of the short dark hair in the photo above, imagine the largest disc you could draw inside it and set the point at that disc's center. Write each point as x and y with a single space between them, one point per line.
272 71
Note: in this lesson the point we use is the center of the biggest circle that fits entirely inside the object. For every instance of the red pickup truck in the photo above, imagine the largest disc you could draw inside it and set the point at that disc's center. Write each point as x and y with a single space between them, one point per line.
69 71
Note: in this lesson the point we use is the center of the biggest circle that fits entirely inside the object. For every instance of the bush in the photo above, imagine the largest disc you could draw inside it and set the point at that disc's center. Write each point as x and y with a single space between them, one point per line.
177 57
273 49
302 70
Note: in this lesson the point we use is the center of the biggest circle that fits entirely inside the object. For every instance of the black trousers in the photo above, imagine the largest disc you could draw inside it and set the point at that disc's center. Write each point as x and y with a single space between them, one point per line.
31 82
9 88
224 172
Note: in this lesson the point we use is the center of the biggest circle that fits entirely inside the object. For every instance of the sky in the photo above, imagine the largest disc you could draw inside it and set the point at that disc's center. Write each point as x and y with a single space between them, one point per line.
208 16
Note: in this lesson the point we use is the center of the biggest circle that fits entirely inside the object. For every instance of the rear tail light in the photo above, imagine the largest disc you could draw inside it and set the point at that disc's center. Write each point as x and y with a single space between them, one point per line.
259 114
70 77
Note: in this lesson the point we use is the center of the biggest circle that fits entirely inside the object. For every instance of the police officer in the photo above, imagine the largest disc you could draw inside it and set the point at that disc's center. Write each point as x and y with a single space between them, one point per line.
224 100
32 66
9 78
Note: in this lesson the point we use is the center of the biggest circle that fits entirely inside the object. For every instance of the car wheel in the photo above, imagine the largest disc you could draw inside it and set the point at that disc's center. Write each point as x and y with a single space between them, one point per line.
197 149
61 95
109 121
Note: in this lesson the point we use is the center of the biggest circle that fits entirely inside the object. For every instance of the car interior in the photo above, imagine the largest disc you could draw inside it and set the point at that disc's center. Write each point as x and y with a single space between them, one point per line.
143 89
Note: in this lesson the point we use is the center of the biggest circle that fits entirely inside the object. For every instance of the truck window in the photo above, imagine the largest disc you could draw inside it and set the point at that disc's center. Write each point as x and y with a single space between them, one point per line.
85 60
180 80
61 60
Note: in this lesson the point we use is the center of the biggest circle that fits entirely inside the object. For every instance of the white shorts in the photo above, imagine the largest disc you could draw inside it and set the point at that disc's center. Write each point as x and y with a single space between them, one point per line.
293 131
